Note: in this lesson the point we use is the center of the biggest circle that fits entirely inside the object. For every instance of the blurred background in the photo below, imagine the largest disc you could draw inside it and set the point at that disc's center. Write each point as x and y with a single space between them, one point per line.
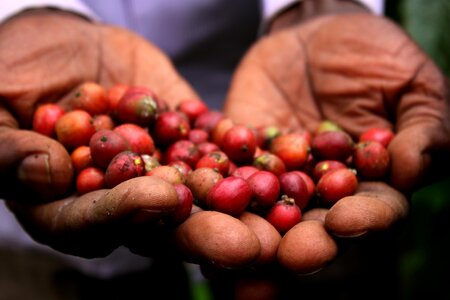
424 244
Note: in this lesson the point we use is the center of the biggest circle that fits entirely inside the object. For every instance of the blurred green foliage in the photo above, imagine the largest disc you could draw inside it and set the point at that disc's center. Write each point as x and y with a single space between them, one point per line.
423 263
427 22
425 244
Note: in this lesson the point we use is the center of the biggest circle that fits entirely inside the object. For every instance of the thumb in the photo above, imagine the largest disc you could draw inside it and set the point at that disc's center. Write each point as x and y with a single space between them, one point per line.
376 206
95 223
414 151
32 165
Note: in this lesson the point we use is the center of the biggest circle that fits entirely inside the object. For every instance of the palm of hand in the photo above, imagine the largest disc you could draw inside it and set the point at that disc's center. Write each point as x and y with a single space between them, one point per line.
74 51
360 71
45 56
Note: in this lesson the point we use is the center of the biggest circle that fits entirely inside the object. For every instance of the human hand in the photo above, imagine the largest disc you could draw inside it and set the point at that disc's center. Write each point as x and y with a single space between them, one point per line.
360 71
45 55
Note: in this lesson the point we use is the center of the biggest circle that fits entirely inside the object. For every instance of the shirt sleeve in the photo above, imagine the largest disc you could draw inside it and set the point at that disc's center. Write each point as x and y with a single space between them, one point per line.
271 8
8 8
376 6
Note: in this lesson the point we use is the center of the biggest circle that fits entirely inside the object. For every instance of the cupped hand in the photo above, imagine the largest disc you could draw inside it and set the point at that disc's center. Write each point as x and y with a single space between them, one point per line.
45 55
360 71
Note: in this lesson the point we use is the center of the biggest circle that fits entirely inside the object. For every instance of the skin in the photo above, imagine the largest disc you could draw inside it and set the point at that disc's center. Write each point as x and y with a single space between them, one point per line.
68 52
353 75
317 61
334 60
385 80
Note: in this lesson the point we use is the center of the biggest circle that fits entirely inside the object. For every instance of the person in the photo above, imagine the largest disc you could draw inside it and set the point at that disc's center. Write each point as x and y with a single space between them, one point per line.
315 60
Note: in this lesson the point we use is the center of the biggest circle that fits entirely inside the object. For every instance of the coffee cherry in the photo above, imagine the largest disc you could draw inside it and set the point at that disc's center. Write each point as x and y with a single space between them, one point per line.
90 97
284 215
382 135
90 179
169 127
335 185
216 160
332 145
104 145
239 144
291 148
45 118
371 160
124 166
265 188
230 195
74 129
293 185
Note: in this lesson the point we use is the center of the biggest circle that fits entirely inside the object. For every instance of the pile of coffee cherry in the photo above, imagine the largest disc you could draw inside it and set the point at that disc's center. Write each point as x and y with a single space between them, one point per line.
213 162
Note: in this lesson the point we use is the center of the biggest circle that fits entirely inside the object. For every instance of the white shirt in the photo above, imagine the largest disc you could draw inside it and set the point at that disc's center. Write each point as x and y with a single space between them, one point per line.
269 7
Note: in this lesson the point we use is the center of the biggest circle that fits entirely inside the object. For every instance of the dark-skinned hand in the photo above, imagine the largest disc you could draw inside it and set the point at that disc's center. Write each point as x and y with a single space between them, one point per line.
45 55
333 60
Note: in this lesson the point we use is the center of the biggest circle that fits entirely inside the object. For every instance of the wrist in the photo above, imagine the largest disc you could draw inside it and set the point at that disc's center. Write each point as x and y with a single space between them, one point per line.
308 9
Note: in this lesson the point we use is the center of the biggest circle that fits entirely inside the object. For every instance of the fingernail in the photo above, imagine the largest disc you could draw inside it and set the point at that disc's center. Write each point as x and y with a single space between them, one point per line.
35 170
311 272
351 235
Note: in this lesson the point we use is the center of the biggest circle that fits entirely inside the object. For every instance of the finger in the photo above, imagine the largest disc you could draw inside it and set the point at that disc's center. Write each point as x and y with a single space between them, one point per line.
6 119
306 248
95 223
413 153
142 64
32 166
271 83
269 238
423 129
375 207
311 239
210 237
